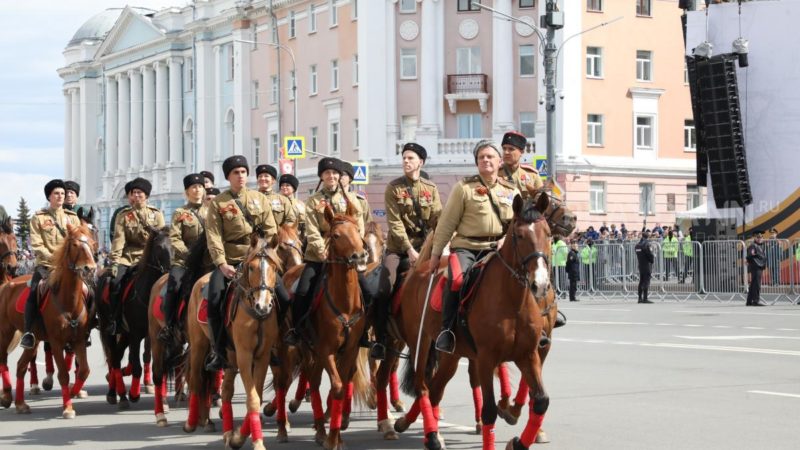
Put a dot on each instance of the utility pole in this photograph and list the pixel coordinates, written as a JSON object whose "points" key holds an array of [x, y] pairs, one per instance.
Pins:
{"points": [[552, 20]]}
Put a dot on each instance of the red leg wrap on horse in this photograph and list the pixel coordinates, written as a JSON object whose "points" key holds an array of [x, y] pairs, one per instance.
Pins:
{"points": [[347, 406], [159, 401], [301, 387], [522, 393], [477, 400], [244, 430], [280, 402], [34, 373], [6, 377], [413, 413], [119, 383], [488, 436], [68, 360], [328, 401], [437, 412], [65, 397], [19, 395], [127, 370], [316, 405], [76, 388], [528, 436], [429, 423], [194, 410], [394, 387], [148, 375], [218, 380], [336, 414], [255, 425], [48, 362], [164, 386], [383, 405], [136, 387], [227, 417], [505, 382]]}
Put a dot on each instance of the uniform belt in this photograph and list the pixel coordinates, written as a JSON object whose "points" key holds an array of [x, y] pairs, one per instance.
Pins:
{"points": [[485, 238]]}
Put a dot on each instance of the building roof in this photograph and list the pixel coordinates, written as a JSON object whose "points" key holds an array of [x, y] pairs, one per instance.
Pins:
{"points": [[96, 28]]}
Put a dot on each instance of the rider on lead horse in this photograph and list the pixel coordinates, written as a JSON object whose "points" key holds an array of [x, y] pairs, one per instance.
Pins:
{"points": [[48, 230]]}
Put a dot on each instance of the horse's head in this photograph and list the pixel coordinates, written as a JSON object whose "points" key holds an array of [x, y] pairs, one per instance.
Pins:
{"points": [[77, 254], [345, 245], [158, 250], [561, 219], [259, 276], [530, 240], [373, 237], [288, 246], [8, 248]]}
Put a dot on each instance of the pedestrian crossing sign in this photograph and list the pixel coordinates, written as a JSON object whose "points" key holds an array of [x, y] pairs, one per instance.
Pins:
{"points": [[540, 162], [295, 147], [360, 173]]}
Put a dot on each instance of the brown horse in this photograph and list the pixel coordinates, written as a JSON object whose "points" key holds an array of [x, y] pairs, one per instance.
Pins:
{"points": [[64, 315], [8, 251], [560, 219], [500, 331], [290, 247]]}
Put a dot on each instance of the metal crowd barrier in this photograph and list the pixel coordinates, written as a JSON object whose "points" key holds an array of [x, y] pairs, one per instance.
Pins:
{"points": [[776, 279]]}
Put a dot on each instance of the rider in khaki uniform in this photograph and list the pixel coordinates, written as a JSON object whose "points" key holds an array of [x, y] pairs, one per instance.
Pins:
{"points": [[131, 232], [478, 211], [520, 175], [348, 172], [281, 207], [329, 171], [48, 231], [287, 185], [188, 224], [232, 218]]}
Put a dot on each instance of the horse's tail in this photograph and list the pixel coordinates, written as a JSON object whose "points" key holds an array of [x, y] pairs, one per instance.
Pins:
{"points": [[407, 384], [362, 388], [14, 341]]}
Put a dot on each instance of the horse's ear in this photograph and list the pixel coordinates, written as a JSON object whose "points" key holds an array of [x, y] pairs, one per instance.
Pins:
{"points": [[351, 210], [517, 205], [70, 228], [329, 215], [254, 238], [274, 241], [543, 202]]}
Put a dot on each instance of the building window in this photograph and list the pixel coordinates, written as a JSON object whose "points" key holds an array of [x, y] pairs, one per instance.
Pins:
{"points": [[408, 128], [408, 63], [527, 60], [689, 136], [334, 75], [355, 133], [527, 3], [644, 65], [313, 80], [274, 93], [334, 10], [231, 62], [313, 143], [408, 6], [527, 124], [254, 94], [594, 62], [594, 129], [312, 19], [468, 60], [292, 25], [256, 149], [647, 199], [333, 139], [685, 73], [594, 5], [469, 126], [692, 196], [189, 75], [355, 69], [292, 82], [597, 197], [644, 132], [274, 146], [643, 8], [466, 5]]}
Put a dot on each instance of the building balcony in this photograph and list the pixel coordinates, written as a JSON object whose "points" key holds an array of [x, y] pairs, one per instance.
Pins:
{"points": [[459, 150], [472, 86]]}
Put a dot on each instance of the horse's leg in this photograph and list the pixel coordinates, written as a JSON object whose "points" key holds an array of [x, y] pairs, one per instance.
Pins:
{"points": [[82, 365], [226, 410], [372, 400], [49, 369], [282, 377], [347, 405], [5, 397], [447, 367], [119, 382], [337, 394], [485, 372], [63, 380], [252, 421], [148, 375], [216, 397], [477, 395], [382, 380], [315, 377], [136, 369], [505, 386], [34, 381], [22, 367], [531, 370], [300, 393], [260, 365], [394, 388], [160, 381]]}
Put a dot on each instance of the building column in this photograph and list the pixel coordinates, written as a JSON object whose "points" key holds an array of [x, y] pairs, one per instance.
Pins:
{"points": [[503, 72], [67, 134], [149, 117], [175, 111], [429, 127], [162, 114], [136, 119], [204, 113], [75, 153], [241, 89], [219, 129], [392, 123], [111, 126], [123, 123]]}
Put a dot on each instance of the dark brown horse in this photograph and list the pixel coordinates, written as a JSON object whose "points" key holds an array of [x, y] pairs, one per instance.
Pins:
{"points": [[8, 251], [501, 331], [65, 316]]}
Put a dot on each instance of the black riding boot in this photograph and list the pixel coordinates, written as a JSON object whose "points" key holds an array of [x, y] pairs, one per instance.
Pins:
{"points": [[171, 305], [446, 341], [302, 301], [283, 299], [115, 301], [31, 314], [216, 304], [381, 321]]}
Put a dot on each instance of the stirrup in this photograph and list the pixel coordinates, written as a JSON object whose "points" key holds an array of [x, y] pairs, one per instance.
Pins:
{"points": [[544, 340], [377, 351], [165, 335], [215, 362], [24, 342], [561, 320], [291, 338], [446, 341]]}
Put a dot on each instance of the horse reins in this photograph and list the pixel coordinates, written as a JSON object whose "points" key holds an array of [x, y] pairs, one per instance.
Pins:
{"points": [[346, 324], [73, 323]]}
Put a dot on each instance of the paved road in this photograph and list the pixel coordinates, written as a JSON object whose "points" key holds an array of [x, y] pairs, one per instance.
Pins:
{"points": [[620, 376]]}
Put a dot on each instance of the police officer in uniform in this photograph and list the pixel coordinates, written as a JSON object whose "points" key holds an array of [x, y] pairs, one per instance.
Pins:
{"points": [[287, 185], [644, 254], [131, 232], [188, 224], [73, 190], [573, 270], [48, 230], [348, 173], [231, 219], [756, 263], [520, 175], [282, 209], [478, 211], [331, 195]]}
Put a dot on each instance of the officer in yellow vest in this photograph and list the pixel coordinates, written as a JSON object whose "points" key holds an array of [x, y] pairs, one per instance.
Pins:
{"points": [[282, 209], [478, 211], [348, 172], [589, 259], [331, 195], [287, 185], [188, 224], [520, 175], [48, 229], [670, 250], [560, 251], [131, 232], [687, 248]]}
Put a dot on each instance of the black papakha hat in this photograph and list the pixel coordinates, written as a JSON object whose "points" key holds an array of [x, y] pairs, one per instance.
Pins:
{"points": [[289, 179], [73, 186], [141, 184], [51, 185], [348, 169], [208, 175], [416, 148], [515, 139], [266, 168], [328, 164], [234, 162], [212, 191], [192, 179]]}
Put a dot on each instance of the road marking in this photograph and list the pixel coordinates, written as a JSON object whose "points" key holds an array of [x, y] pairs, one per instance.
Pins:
{"points": [[693, 325], [665, 325], [787, 329], [592, 322], [455, 426], [778, 394], [766, 351], [593, 309], [736, 338], [722, 326], [749, 313], [753, 328]]}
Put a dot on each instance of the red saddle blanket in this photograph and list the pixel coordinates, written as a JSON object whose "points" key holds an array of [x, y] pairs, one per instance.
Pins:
{"points": [[125, 294], [202, 311], [23, 297], [437, 296], [158, 311]]}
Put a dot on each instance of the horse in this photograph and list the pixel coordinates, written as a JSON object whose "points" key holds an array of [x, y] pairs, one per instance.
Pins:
{"points": [[65, 317], [560, 219], [497, 331], [289, 246], [8, 251], [155, 261]]}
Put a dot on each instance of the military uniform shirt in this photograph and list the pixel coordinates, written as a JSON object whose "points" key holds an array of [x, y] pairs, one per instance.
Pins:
{"points": [[185, 230], [45, 236], [282, 210], [366, 213], [520, 178], [316, 226], [227, 229], [401, 215], [469, 214], [131, 235], [299, 209]]}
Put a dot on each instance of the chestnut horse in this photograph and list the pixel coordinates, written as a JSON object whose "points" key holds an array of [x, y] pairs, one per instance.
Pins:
{"points": [[501, 331], [8, 251], [65, 317]]}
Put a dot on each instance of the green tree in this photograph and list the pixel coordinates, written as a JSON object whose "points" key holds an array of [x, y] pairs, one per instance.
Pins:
{"points": [[23, 221]]}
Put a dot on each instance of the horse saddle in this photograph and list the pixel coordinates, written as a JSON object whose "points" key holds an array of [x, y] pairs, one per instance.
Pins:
{"points": [[158, 305], [470, 280], [202, 312]]}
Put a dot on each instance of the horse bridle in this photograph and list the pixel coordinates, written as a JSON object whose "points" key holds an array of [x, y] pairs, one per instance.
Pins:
{"points": [[73, 323], [343, 259], [249, 291]]}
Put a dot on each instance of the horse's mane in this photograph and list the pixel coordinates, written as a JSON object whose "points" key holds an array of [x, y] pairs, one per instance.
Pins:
{"points": [[345, 218], [60, 269], [6, 226], [195, 267], [375, 229], [287, 232], [271, 253], [149, 246]]}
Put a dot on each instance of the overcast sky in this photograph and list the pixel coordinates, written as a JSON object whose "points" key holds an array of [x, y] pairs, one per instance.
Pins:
{"points": [[32, 36]]}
